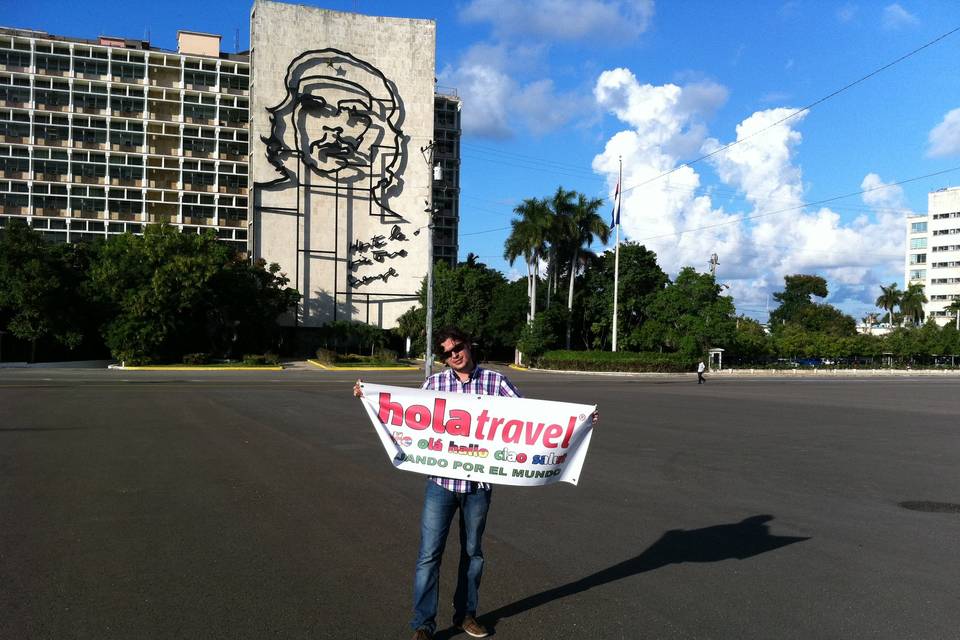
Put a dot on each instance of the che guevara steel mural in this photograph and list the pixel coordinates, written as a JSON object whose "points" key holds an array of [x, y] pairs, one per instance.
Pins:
{"points": [[338, 130]]}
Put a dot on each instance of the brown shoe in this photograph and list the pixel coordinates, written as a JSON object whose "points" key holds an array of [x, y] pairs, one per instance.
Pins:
{"points": [[473, 628], [422, 634]]}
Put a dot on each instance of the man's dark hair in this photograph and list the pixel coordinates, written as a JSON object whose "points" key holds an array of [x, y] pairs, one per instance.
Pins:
{"points": [[452, 333]]}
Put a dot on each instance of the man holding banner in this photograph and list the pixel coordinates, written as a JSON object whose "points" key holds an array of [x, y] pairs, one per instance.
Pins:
{"points": [[470, 425]]}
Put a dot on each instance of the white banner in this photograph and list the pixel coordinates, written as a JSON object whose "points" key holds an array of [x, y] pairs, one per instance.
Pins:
{"points": [[482, 438]]}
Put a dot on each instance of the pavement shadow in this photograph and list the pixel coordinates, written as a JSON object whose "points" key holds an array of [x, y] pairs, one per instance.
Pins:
{"points": [[745, 539]]}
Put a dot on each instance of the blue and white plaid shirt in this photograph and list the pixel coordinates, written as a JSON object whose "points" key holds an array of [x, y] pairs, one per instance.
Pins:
{"points": [[481, 382]]}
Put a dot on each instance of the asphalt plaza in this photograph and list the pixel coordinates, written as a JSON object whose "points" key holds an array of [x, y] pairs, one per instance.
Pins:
{"points": [[260, 504]]}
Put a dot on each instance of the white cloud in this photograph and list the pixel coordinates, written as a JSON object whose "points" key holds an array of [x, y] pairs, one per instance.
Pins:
{"points": [[486, 90], [494, 104], [944, 138], [881, 195], [847, 12], [774, 235], [609, 20], [896, 17], [774, 96]]}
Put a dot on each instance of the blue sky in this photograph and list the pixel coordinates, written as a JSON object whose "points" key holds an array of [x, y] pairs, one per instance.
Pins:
{"points": [[555, 90]]}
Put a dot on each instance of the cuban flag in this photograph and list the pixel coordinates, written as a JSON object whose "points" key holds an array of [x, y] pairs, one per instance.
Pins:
{"points": [[615, 216]]}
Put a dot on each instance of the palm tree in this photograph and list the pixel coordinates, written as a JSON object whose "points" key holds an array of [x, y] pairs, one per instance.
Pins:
{"points": [[586, 225], [889, 298], [911, 304], [558, 235], [870, 320], [955, 308], [528, 239], [473, 261]]}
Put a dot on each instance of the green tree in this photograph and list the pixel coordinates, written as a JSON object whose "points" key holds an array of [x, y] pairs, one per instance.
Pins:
{"points": [[954, 308], [911, 304], [40, 287], [796, 306], [825, 318], [528, 238], [245, 301], [543, 333], [751, 342], [889, 299], [690, 315], [640, 278], [796, 296], [477, 299], [171, 293]]}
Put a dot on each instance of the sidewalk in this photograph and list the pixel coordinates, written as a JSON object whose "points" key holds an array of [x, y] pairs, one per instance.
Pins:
{"points": [[78, 364]]}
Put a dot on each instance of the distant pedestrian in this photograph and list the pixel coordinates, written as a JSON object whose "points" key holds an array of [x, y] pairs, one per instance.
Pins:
{"points": [[700, 369]]}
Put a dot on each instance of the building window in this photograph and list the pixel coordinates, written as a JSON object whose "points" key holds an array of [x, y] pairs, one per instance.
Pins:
{"points": [[918, 258], [918, 243], [918, 274], [918, 227]]}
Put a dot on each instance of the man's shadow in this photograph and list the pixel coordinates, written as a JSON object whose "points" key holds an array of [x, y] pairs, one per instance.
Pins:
{"points": [[744, 539]]}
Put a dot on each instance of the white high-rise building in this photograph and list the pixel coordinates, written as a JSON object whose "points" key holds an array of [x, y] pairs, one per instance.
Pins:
{"points": [[933, 253]]}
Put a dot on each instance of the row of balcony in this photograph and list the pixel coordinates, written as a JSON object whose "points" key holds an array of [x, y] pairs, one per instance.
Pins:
{"points": [[233, 154], [209, 119], [206, 82], [228, 218]]}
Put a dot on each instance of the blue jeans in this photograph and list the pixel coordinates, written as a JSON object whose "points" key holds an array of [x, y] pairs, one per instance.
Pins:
{"points": [[439, 505]]}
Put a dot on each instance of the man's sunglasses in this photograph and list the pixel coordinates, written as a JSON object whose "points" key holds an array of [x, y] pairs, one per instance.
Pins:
{"points": [[457, 348]]}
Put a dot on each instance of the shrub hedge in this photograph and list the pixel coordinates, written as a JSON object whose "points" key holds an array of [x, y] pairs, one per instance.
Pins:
{"points": [[258, 360], [619, 361]]}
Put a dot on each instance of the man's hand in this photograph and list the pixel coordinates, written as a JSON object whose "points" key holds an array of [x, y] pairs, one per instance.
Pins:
{"points": [[596, 417], [357, 389]]}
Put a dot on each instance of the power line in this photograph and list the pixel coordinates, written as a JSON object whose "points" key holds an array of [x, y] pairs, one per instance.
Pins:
{"points": [[719, 194], [538, 166], [804, 205], [796, 112], [765, 214], [524, 157], [476, 233]]}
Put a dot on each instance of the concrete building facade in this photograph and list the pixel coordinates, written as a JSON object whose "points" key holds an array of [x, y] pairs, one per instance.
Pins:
{"points": [[335, 125], [342, 120], [933, 253], [100, 137]]}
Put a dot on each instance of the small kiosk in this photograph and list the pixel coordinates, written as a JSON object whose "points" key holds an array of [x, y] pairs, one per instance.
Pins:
{"points": [[715, 359]]}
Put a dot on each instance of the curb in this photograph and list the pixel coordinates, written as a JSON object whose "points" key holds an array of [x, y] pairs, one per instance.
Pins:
{"points": [[326, 367], [160, 368]]}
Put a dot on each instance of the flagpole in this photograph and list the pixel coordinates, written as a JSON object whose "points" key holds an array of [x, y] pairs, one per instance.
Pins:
{"points": [[616, 259]]}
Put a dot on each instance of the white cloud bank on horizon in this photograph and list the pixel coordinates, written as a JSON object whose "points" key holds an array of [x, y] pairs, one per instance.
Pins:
{"points": [[782, 238], [944, 139]]}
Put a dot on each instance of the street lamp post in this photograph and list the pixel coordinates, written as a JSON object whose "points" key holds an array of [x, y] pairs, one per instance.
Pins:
{"points": [[428, 358], [436, 174]]}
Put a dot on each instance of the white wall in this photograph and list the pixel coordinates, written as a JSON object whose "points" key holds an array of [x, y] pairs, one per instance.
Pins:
{"points": [[334, 196]]}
